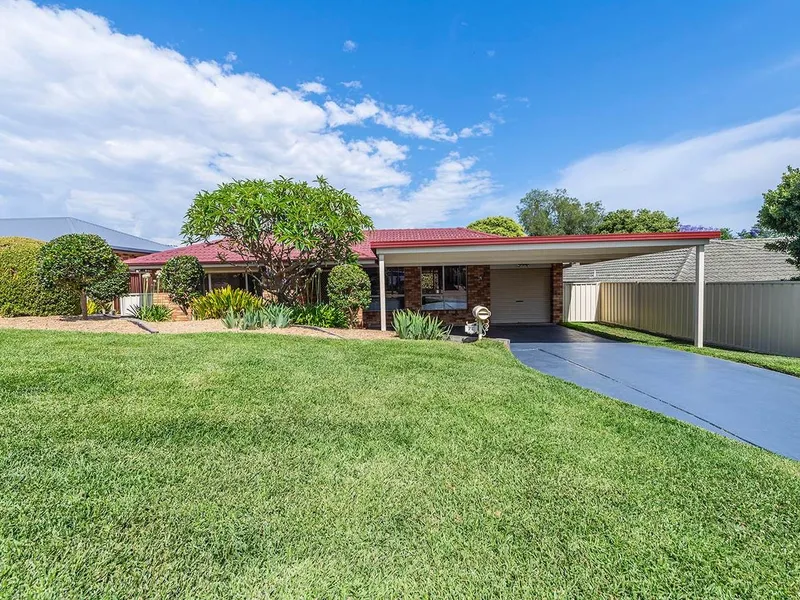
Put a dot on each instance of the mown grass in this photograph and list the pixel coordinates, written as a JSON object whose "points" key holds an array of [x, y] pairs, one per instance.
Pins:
{"points": [[783, 364], [239, 466]]}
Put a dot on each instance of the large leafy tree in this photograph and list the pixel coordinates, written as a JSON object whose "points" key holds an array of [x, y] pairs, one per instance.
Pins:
{"points": [[544, 212], [75, 262], [781, 214], [505, 226], [283, 229], [642, 220]]}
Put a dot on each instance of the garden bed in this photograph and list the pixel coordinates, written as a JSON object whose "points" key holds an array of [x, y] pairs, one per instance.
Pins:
{"points": [[103, 324]]}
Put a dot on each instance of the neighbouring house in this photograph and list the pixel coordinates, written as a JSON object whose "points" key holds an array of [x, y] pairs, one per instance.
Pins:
{"points": [[447, 271], [725, 261], [126, 246]]}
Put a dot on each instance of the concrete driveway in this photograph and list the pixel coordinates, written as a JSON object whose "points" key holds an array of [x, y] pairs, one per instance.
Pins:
{"points": [[753, 405]]}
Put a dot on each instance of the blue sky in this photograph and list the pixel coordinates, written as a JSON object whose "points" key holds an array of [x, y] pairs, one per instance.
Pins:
{"points": [[119, 111]]}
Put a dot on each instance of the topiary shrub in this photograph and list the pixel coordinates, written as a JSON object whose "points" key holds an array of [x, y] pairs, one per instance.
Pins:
{"points": [[21, 295], [216, 303], [349, 291], [182, 279], [505, 226], [116, 284], [75, 262]]}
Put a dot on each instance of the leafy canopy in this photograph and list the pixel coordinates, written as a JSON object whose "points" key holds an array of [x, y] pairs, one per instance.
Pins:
{"points": [[505, 226], [781, 213], [542, 212], [182, 279], [349, 290], [283, 229], [642, 220], [75, 262]]}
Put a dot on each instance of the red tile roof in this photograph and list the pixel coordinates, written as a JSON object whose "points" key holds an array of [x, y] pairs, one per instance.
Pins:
{"points": [[208, 253]]}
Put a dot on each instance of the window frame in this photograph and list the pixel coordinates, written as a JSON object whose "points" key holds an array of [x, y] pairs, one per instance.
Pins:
{"points": [[441, 296]]}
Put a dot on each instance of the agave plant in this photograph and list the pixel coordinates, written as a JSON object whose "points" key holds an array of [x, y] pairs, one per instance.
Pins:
{"points": [[151, 312], [411, 325], [230, 319], [216, 303], [277, 315]]}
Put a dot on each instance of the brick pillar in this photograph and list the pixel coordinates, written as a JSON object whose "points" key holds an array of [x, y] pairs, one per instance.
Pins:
{"points": [[478, 286], [412, 283], [557, 291]]}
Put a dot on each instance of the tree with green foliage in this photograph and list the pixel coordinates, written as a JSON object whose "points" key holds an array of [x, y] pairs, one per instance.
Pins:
{"points": [[21, 294], [726, 233], [116, 284], [283, 229], [642, 220], [756, 231], [505, 226], [781, 214], [542, 212], [74, 262], [349, 290], [182, 278]]}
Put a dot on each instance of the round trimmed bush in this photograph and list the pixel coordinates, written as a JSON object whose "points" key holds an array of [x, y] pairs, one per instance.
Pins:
{"points": [[349, 291], [116, 284], [182, 278], [505, 226], [21, 295]]}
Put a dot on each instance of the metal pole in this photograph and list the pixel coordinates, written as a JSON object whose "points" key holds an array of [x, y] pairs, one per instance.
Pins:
{"points": [[382, 284], [700, 293]]}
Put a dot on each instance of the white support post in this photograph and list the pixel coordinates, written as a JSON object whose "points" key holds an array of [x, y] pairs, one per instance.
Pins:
{"points": [[209, 282], [247, 282], [700, 293], [382, 285]]}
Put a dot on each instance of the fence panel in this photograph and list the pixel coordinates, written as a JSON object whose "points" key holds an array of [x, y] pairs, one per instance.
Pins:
{"points": [[763, 316], [581, 301]]}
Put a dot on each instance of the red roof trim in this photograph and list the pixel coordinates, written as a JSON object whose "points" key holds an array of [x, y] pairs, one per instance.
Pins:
{"points": [[553, 239]]}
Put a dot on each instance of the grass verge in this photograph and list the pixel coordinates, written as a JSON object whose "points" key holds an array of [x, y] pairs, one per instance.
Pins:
{"points": [[221, 466], [783, 364]]}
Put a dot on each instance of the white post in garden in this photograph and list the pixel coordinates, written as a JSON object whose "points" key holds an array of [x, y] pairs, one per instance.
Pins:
{"points": [[700, 293], [382, 285]]}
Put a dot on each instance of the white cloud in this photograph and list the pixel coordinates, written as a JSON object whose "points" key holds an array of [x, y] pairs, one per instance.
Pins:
{"points": [[313, 87], [355, 84], [115, 129], [499, 97], [481, 129], [455, 186], [714, 179], [491, 53], [398, 119], [231, 57], [349, 46]]}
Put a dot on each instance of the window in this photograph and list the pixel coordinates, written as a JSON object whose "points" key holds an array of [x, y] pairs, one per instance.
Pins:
{"points": [[395, 289], [444, 288]]}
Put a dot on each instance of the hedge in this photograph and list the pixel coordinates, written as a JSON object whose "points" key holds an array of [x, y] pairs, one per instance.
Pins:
{"points": [[20, 292]]}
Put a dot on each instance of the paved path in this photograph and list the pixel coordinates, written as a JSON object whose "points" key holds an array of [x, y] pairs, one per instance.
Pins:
{"points": [[754, 405]]}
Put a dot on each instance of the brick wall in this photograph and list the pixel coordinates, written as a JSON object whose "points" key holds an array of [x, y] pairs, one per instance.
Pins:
{"points": [[557, 290], [478, 292], [177, 313]]}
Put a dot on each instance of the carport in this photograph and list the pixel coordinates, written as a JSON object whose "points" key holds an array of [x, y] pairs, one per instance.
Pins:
{"points": [[520, 279]]}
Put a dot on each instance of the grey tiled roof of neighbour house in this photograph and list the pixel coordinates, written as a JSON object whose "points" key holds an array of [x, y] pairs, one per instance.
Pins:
{"points": [[47, 228], [726, 260]]}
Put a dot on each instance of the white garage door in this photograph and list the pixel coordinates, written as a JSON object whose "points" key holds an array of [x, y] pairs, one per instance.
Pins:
{"points": [[521, 295]]}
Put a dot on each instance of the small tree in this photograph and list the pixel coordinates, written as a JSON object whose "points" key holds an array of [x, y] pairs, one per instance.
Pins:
{"points": [[505, 226], [642, 220], [76, 261], [182, 278], [349, 290], [116, 284], [283, 230], [781, 214]]}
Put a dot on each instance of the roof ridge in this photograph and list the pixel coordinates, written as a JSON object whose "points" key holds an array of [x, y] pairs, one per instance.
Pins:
{"points": [[685, 264]]}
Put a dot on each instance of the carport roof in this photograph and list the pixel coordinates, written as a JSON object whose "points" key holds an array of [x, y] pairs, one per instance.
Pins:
{"points": [[535, 250]]}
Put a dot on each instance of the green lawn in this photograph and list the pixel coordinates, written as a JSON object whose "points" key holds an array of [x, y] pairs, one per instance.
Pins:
{"points": [[238, 466], [783, 364]]}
